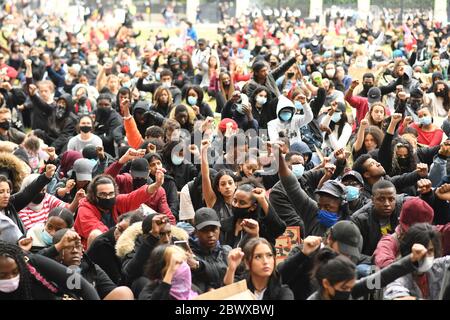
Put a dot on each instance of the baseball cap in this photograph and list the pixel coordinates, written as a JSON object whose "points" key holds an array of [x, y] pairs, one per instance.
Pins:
{"points": [[201, 41], [174, 61], [206, 217], [9, 231], [374, 95], [139, 168], [355, 175], [348, 237], [332, 188], [415, 210], [83, 169], [223, 124], [89, 151]]}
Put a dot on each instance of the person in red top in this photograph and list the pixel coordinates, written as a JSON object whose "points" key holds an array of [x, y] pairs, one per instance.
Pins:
{"points": [[99, 211], [429, 134], [6, 72], [128, 182]]}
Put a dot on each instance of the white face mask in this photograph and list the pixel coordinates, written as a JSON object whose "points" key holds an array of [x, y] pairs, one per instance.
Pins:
{"points": [[10, 285], [330, 72], [425, 264]]}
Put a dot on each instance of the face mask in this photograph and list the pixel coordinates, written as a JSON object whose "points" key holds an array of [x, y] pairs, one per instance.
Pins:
{"points": [[425, 121], [103, 112], [93, 62], [5, 125], [192, 100], [239, 108], [290, 74], [38, 198], [226, 84], [352, 193], [60, 113], [285, 116], [336, 117], [298, 105], [157, 76], [326, 218], [261, 100], [181, 283], [10, 285], [378, 54], [435, 62], [241, 213], [439, 94], [330, 73], [367, 87], [298, 170], [127, 84], [184, 62], [177, 160], [106, 204], [341, 295], [425, 264], [85, 129], [46, 238], [403, 162], [138, 182], [166, 84]]}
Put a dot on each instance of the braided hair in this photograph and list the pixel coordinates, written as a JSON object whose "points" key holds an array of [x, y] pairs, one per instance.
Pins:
{"points": [[26, 270]]}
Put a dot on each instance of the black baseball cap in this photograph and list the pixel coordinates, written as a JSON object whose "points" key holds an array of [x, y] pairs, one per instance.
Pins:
{"points": [[206, 217], [139, 168], [348, 237], [173, 61], [355, 175], [332, 188], [374, 95]]}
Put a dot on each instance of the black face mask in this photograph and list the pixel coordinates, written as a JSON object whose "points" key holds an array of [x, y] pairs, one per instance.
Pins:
{"points": [[226, 84], [439, 94], [85, 129], [106, 204], [367, 87], [60, 113], [341, 295], [38, 198], [103, 112], [82, 100], [138, 182], [290, 74], [5, 125], [241, 213], [403, 162]]}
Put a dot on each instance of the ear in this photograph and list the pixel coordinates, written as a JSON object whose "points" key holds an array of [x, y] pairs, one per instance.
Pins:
{"points": [[366, 175], [326, 285]]}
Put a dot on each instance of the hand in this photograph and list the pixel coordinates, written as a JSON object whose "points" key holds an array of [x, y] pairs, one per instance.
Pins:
{"points": [[311, 244], [247, 110], [340, 155], [422, 170], [129, 155], [235, 96], [28, 63], [354, 84], [329, 170], [418, 252], [125, 107], [70, 184], [259, 194], [158, 223], [100, 153], [325, 128], [402, 95], [424, 186], [207, 124], [46, 59], [251, 227], [32, 89], [6, 85], [445, 149], [51, 152], [364, 124], [234, 258], [407, 120], [334, 106], [151, 148], [443, 192], [50, 170], [69, 239], [80, 194], [175, 262], [396, 118], [193, 149], [26, 243], [144, 74], [204, 146], [159, 176], [196, 110]]}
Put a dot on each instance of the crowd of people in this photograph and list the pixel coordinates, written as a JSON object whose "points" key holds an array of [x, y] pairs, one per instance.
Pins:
{"points": [[167, 167]]}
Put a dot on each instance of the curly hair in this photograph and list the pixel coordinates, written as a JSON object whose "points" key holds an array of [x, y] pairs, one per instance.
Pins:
{"points": [[16, 167], [98, 180]]}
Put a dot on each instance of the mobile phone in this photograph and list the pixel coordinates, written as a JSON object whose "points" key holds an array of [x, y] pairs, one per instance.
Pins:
{"points": [[183, 244]]}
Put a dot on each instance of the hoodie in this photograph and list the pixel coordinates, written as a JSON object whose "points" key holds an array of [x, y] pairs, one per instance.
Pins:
{"points": [[141, 105], [292, 127]]}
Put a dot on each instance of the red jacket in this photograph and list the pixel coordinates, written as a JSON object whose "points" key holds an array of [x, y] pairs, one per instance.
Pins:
{"points": [[10, 71], [430, 139], [125, 183], [89, 217], [388, 247], [361, 104]]}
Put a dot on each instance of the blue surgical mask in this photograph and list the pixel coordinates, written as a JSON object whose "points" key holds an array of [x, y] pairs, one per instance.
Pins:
{"points": [[47, 238], [298, 170], [298, 105], [192, 100], [285, 115], [327, 218], [239, 108], [336, 117], [177, 160], [261, 100], [157, 76], [352, 193], [425, 120]]}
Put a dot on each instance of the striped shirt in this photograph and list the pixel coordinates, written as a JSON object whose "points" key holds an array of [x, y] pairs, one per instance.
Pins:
{"points": [[30, 217]]}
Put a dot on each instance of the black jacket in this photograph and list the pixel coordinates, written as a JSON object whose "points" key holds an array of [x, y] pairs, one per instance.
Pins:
{"points": [[96, 277], [274, 291], [369, 225], [400, 182], [103, 253], [213, 265], [56, 274], [21, 199], [104, 128], [170, 187], [282, 205]]}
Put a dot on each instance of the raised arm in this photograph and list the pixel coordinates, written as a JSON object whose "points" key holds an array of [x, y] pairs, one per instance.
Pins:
{"points": [[360, 135], [208, 193]]}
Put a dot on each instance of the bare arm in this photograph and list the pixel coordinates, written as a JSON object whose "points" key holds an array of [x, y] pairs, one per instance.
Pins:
{"points": [[208, 193]]}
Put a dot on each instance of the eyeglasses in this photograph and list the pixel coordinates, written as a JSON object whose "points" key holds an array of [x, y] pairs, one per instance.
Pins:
{"points": [[105, 195]]}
